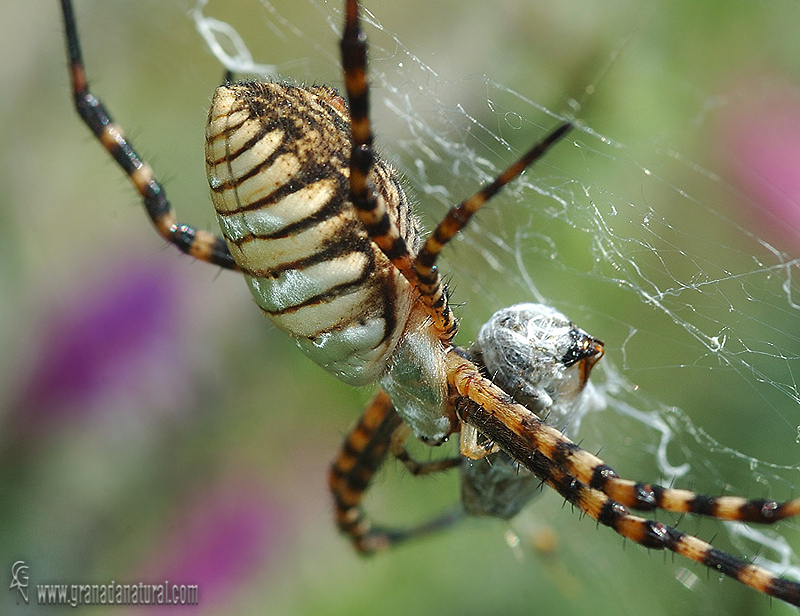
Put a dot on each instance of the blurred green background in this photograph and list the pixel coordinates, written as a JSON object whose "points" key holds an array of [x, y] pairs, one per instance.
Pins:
{"points": [[153, 424]]}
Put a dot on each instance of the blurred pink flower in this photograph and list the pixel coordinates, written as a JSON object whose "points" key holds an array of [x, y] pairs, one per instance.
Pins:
{"points": [[759, 135], [113, 341], [218, 542]]}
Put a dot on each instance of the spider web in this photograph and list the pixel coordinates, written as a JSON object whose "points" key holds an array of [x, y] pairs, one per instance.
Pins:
{"points": [[640, 226]]}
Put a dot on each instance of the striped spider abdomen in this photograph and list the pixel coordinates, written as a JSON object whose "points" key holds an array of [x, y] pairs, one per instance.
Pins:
{"points": [[277, 158]]}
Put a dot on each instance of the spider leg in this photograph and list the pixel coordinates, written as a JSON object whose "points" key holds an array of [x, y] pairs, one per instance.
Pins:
{"points": [[419, 271], [592, 471], [397, 447], [471, 445], [648, 533], [198, 243], [371, 210], [429, 282], [361, 455]]}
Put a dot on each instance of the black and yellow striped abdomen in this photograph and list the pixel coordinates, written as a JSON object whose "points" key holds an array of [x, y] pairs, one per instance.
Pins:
{"points": [[277, 158]]}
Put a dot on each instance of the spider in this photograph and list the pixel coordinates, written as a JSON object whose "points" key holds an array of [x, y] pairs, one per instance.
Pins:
{"points": [[328, 244]]}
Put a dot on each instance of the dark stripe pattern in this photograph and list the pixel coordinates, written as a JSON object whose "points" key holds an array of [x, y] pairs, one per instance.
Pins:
{"points": [[278, 163]]}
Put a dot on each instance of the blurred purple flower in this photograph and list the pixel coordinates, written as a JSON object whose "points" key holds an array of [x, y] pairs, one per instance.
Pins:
{"points": [[759, 135], [219, 542], [110, 342]]}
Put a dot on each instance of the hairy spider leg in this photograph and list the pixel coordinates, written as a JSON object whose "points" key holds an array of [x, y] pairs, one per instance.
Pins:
{"points": [[420, 270], [371, 210], [379, 430], [429, 283], [592, 471], [202, 245], [547, 453]]}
